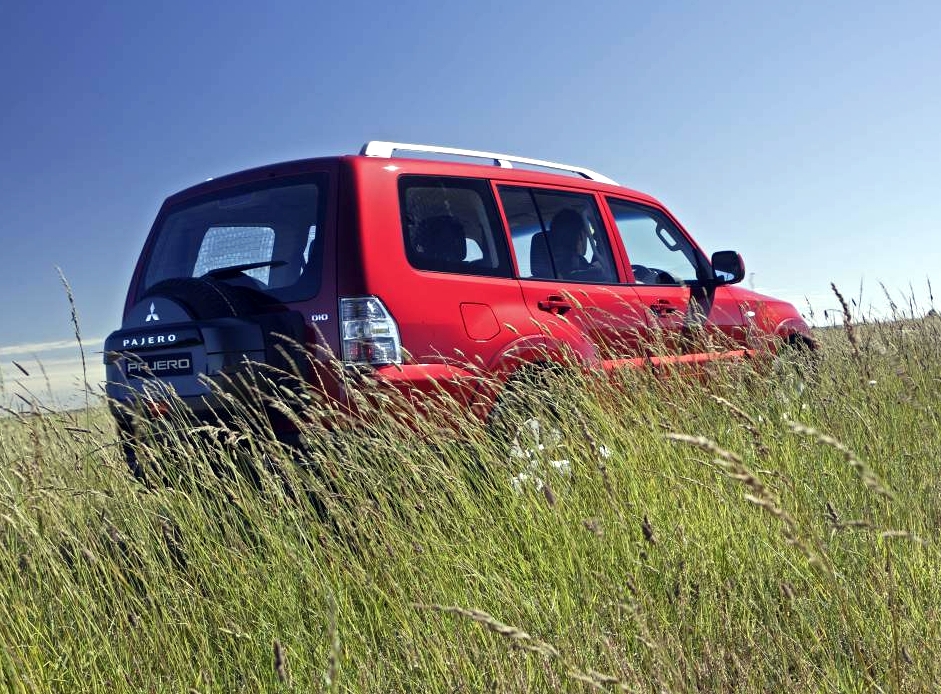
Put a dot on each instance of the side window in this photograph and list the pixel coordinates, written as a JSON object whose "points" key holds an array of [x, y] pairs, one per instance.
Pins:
{"points": [[658, 252], [558, 235], [452, 225]]}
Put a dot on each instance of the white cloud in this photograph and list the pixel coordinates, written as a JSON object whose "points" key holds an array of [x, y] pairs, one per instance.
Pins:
{"points": [[30, 348]]}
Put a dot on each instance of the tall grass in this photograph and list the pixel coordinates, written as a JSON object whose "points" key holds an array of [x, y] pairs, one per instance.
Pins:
{"points": [[756, 529]]}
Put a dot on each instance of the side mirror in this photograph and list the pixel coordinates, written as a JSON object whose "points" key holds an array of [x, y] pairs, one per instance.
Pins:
{"points": [[728, 266]]}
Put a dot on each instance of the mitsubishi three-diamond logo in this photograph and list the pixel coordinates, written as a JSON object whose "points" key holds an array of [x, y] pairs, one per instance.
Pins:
{"points": [[152, 315]]}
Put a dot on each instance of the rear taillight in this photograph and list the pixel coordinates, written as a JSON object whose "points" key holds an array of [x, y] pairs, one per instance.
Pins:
{"points": [[368, 332]]}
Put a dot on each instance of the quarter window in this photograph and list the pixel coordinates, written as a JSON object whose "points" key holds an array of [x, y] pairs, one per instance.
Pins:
{"points": [[659, 253], [558, 235], [451, 225]]}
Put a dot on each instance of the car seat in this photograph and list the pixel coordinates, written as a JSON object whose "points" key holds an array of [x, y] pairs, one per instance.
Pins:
{"points": [[440, 242], [540, 263]]}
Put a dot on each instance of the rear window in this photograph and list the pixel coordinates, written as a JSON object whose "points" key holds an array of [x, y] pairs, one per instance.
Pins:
{"points": [[452, 225], [262, 236]]}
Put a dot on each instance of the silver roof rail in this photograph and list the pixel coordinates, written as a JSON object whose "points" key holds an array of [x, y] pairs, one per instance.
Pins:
{"points": [[377, 148]]}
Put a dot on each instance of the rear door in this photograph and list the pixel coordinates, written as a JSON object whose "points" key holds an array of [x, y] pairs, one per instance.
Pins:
{"points": [[244, 259], [452, 291], [570, 277], [689, 317]]}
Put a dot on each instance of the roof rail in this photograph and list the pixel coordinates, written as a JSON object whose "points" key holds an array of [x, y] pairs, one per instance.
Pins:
{"points": [[377, 148]]}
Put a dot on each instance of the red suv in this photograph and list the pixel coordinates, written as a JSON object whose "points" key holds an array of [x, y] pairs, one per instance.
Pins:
{"points": [[426, 271]]}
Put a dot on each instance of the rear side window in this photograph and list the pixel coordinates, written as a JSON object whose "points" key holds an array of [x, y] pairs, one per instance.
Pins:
{"points": [[451, 225], [558, 235], [261, 236]]}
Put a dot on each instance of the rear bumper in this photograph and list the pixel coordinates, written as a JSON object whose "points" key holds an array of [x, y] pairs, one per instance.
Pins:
{"points": [[335, 400], [424, 384]]}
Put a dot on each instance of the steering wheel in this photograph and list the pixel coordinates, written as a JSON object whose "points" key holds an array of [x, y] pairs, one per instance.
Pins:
{"points": [[654, 275], [643, 274]]}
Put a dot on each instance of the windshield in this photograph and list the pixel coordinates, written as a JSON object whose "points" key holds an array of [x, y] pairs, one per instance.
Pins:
{"points": [[263, 236]]}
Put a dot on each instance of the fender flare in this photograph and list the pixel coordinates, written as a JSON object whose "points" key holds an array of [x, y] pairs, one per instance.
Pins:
{"points": [[542, 349], [526, 353], [794, 330]]}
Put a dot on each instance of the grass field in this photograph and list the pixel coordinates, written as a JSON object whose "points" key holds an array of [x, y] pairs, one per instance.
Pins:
{"points": [[764, 529]]}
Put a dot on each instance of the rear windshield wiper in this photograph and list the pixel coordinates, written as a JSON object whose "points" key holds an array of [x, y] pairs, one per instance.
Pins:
{"points": [[227, 273]]}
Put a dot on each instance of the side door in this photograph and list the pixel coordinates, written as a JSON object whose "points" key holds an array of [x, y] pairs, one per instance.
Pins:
{"points": [[454, 288], [688, 314], [572, 281]]}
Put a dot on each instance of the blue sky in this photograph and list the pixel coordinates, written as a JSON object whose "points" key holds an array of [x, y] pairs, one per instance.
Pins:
{"points": [[806, 136]]}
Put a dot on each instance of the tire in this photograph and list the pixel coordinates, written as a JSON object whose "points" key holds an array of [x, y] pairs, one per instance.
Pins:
{"points": [[130, 458], [528, 427], [204, 299], [797, 360]]}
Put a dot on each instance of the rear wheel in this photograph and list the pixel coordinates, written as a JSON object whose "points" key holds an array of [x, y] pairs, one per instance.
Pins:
{"points": [[130, 456], [528, 425]]}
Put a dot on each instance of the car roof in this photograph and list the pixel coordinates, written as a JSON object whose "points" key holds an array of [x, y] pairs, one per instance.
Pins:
{"points": [[407, 165]]}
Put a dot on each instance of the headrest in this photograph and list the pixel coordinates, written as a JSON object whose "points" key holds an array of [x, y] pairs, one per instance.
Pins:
{"points": [[567, 230], [540, 264]]}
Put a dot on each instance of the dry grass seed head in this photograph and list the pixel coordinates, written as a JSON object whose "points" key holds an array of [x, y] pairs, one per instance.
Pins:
{"points": [[868, 477], [330, 676], [519, 637], [523, 640], [734, 468]]}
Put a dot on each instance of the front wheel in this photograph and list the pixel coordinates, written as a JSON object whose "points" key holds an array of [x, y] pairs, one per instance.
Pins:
{"points": [[797, 359]]}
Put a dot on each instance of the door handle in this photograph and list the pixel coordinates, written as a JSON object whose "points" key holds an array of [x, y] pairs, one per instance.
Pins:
{"points": [[554, 304], [663, 306]]}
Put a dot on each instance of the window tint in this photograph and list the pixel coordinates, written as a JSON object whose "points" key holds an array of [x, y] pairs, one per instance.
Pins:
{"points": [[558, 235], [451, 225], [274, 223], [658, 252]]}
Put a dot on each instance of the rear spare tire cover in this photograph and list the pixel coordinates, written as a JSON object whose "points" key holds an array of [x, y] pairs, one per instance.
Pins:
{"points": [[207, 298]]}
